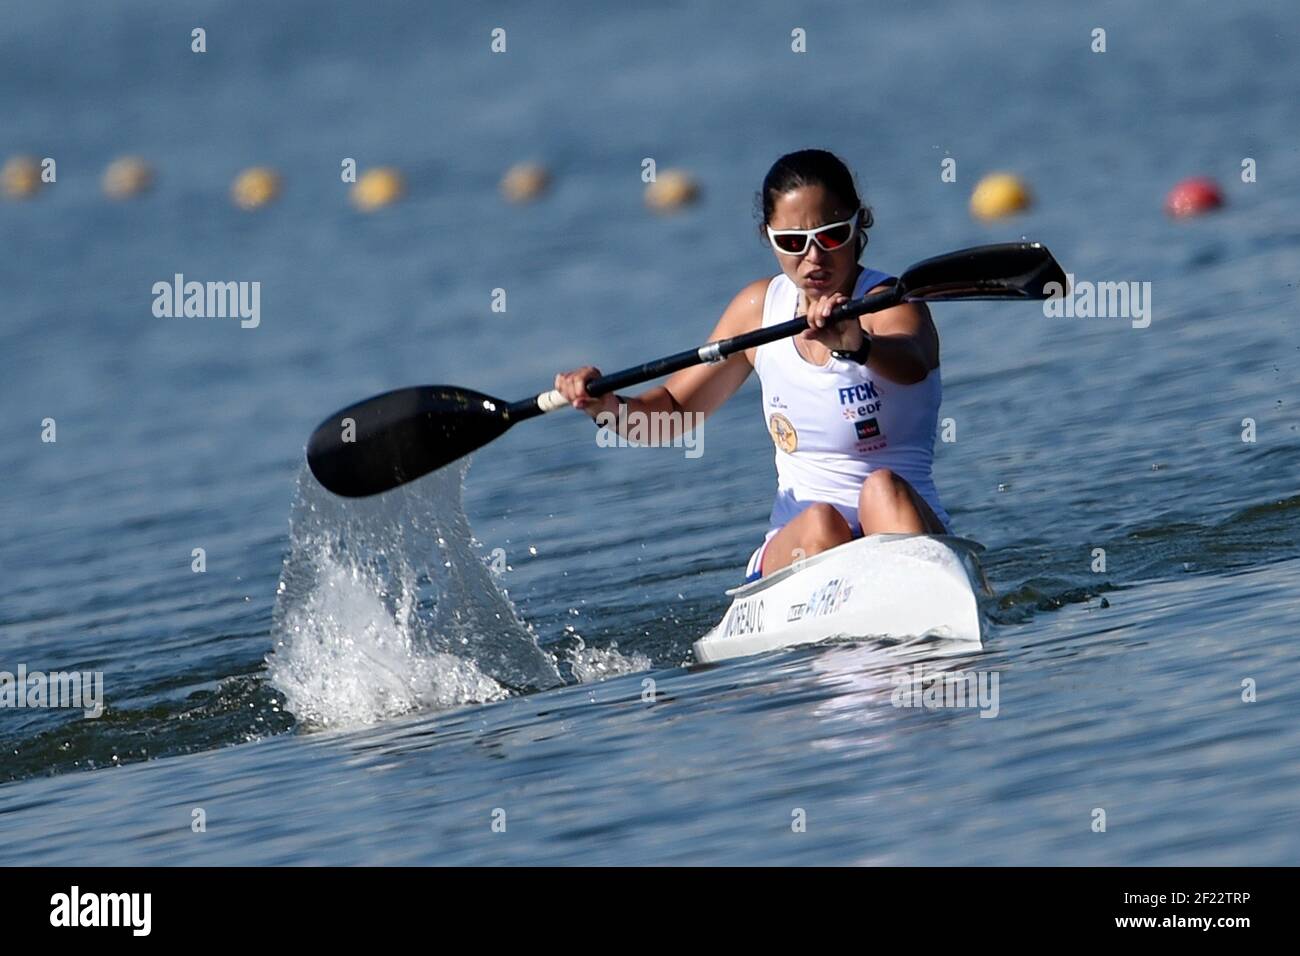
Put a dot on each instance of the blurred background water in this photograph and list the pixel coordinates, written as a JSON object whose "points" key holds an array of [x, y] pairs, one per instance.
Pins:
{"points": [[330, 737]]}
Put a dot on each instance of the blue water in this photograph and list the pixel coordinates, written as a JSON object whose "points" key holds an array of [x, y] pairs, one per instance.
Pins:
{"points": [[385, 719]]}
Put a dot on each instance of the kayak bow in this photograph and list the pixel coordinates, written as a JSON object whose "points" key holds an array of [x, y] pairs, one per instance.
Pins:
{"points": [[892, 586]]}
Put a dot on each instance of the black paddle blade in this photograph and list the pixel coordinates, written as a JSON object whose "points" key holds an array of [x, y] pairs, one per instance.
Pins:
{"points": [[1010, 270], [399, 436]]}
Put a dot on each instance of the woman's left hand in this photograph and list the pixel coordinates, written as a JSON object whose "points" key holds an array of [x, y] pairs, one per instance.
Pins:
{"points": [[845, 335]]}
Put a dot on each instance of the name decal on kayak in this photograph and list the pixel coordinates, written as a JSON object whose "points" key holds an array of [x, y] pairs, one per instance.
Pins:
{"points": [[745, 618], [827, 599]]}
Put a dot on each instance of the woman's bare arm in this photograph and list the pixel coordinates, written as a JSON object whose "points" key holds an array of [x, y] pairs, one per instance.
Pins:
{"points": [[904, 343], [701, 389]]}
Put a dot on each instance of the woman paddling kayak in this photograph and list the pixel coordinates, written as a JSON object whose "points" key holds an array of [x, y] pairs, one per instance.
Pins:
{"points": [[852, 407]]}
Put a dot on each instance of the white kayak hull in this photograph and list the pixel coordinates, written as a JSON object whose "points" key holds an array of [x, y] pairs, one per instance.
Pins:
{"points": [[893, 586]]}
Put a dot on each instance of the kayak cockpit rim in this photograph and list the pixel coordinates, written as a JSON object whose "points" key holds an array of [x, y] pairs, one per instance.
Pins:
{"points": [[957, 543]]}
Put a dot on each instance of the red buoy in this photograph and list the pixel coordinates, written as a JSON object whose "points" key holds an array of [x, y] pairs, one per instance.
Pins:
{"points": [[1193, 196]]}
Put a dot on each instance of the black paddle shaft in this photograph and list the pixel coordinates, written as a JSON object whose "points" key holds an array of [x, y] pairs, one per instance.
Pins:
{"points": [[714, 351]]}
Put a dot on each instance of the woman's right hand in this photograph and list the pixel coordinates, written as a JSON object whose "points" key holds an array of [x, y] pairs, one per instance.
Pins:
{"points": [[573, 386]]}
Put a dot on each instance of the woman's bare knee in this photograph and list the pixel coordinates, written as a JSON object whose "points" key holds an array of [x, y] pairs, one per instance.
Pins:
{"points": [[881, 485], [817, 528], [888, 504], [824, 528]]}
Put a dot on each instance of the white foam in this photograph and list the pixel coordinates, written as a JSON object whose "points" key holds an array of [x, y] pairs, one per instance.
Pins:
{"points": [[385, 607], [591, 664], [344, 658]]}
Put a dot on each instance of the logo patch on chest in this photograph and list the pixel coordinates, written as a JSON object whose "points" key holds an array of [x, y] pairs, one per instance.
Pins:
{"points": [[783, 434], [867, 428], [861, 401], [858, 394]]}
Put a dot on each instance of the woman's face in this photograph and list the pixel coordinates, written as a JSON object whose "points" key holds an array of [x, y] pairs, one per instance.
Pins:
{"points": [[816, 272]]}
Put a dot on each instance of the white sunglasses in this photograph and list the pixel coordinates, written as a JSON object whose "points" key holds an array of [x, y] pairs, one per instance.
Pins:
{"points": [[830, 237]]}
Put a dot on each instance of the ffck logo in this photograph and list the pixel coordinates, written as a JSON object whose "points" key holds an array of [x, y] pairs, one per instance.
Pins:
{"points": [[102, 909], [856, 394]]}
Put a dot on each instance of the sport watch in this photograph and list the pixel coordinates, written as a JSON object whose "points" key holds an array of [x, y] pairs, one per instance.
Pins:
{"points": [[859, 355]]}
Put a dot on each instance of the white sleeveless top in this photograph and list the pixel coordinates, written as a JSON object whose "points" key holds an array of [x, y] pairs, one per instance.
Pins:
{"points": [[834, 424]]}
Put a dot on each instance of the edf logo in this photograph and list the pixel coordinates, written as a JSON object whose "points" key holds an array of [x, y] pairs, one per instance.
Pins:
{"points": [[858, 393]]}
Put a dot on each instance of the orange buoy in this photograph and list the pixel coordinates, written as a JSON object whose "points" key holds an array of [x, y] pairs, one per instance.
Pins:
{"points": [[127, 177], [377, 188], [672, 189], [998, 195], [21, 177], [255, 188], [525, 182]]}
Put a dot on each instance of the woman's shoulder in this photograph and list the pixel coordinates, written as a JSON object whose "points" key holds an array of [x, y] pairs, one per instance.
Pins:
{"points": [[755, 294], [745, 313]]}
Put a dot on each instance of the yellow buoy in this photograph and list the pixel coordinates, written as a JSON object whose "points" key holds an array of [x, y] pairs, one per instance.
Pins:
{"points": [[254, 188], [126, 177], [21, 177], [525, 182], [998, 195], [671, 190], [377, 188]]}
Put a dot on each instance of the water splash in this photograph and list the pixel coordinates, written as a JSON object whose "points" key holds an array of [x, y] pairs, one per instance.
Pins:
{"points": [[589, 664], [384, 607]]}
